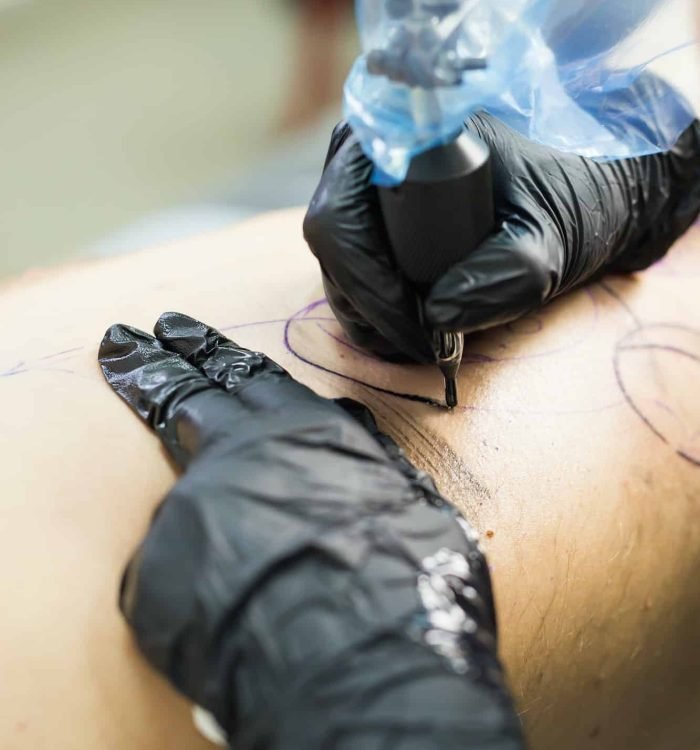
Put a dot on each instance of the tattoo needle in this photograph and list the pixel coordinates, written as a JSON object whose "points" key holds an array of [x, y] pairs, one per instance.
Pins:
{"points": [[449, 350]]}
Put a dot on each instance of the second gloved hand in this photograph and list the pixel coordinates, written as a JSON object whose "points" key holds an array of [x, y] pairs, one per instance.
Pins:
{"points": [[302, 582], [562, 220]]}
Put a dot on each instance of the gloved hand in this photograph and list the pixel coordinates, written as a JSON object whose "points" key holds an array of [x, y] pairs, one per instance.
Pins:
{"points": [[562, 220], [303, 581]]}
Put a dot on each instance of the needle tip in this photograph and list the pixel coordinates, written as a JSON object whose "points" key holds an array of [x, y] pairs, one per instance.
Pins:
{"points": [[451, 396]]}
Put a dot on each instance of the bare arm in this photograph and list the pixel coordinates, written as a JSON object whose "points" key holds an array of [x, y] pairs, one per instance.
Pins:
{"points": [[576, 454]]}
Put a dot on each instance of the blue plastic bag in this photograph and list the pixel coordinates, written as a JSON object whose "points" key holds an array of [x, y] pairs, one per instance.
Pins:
{"points": [[554, 70]]}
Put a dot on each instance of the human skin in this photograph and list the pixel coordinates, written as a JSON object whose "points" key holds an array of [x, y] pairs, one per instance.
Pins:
{"points": [[575, 452]]}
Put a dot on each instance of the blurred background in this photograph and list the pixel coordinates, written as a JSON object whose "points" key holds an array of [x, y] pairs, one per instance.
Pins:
{"points": [[124, 123]]}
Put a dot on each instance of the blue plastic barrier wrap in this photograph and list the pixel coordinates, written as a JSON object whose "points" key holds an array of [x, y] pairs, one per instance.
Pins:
{"points": [[552, 69]]}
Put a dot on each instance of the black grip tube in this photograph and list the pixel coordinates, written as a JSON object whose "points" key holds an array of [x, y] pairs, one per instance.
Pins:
{"points": [[443, 211]]}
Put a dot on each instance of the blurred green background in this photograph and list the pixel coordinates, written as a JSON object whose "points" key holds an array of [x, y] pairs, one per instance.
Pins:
{"points": [[112, 110]]}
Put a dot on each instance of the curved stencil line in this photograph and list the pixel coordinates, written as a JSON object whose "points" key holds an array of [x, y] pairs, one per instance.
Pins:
{"points": [[477, 357], [625, 347], [299, 318]]}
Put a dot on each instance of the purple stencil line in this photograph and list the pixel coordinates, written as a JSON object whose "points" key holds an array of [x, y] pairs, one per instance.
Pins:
{"points": [[660, 347], [256, 324], [622, 347], [299, 317], [22, 368], [665, 326], [19, 369], [476, 357], [691, 459], [63, 353]]}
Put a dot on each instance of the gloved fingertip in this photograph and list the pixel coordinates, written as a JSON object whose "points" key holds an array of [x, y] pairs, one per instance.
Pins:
{"points": [[223, 361], [341, 132], [121, 340], [190, 338], [175, 319], [182, 334]]}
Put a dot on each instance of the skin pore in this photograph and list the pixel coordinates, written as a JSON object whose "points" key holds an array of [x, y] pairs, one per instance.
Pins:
{"points": [[574, 452]]}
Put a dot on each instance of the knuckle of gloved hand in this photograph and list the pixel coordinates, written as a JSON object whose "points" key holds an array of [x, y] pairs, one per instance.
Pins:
{"points": [[315, 223], [530, 254], [510, 279], [322, 218], [369, 339], [360, 331], [339, 212], [537, 279], [325, 223], [341, 132], [355, 327]]}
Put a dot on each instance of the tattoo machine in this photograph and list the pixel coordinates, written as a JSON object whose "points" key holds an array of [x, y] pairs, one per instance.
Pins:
{"points": [[429, 64], [443, 209]]}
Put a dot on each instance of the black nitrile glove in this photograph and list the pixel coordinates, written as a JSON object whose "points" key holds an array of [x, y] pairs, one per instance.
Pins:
{"points": [[303, 581], [561, 220]]}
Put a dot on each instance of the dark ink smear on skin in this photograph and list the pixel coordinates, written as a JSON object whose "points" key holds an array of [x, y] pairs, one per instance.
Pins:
{"points": [[471, 490]]}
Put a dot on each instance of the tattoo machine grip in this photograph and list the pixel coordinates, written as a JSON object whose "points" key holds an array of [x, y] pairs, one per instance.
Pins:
{"points": [[439, 215]]}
